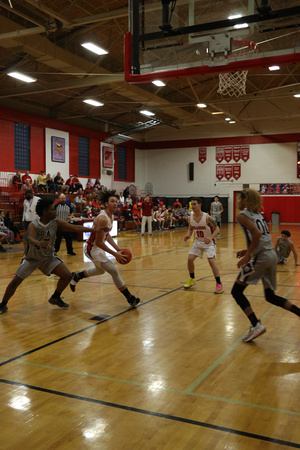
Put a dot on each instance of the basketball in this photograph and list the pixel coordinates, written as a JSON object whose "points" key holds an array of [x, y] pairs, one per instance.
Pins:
{"points": [[127, 253]]}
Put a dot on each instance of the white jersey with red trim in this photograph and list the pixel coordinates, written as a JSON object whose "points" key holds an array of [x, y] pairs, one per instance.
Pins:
{"points": [[91, 241], [201, 229]]}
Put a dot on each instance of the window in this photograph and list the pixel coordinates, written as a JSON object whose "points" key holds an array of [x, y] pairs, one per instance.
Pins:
{"points": [[22, 146], [122, 163], [83, 156]]}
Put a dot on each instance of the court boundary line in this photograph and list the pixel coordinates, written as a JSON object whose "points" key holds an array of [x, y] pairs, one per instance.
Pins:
{"points": [[156, 414]]}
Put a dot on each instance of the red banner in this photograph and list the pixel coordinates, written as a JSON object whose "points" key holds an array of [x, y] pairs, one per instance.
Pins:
{"points": [[236, 151], [228, 171], [202, 154], [219, 154], [228, 154], [245, 152], [219, 171], [236, 173]]}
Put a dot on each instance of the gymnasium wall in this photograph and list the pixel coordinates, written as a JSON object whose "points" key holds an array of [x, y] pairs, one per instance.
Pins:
{"points": [[271, 161]]}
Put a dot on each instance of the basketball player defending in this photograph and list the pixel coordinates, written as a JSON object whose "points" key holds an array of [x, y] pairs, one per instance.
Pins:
{"points": [[205, 230], [216, 209], [258, 262], [39, 253], [96, 247]]}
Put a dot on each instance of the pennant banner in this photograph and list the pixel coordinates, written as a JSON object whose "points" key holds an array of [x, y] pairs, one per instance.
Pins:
{"points": [[219, 171], [236, 172], [228, 154], [236, 153], [202, 154], [219, 154], [228, 171]]}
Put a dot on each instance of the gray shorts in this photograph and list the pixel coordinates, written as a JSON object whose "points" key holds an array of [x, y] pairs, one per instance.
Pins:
{"points": [[261, 267], [46, 266]]}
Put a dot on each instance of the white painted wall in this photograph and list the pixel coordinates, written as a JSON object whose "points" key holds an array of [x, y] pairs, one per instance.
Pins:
{"points": [[167, 170]]}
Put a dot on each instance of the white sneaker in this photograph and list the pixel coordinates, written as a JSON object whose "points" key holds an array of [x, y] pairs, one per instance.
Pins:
{"points": [[254, 332]]}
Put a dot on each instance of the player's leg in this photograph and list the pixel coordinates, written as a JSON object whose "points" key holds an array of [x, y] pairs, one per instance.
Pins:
{"points": [[215, 269], [191, 268], [9, 292], [91, 272], [65, 276], [112, 269]]}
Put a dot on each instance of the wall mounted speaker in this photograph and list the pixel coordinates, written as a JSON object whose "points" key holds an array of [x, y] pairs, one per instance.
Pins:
{"points": [[191, 171]]}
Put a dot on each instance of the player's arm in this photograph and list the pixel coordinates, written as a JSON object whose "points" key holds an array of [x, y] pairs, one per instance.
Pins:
{"points": [[276, 244], [66, 226], [189, 233], [292, 248], [255, 233], [211, 207], [32, 238], [212, 224], [222, 209]]}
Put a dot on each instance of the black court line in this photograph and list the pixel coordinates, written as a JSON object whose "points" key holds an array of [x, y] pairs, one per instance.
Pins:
{"points": [[156, 414]]}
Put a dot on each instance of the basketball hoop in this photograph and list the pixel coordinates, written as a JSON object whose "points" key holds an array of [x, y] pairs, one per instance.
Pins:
{"points": [[234, 83]]}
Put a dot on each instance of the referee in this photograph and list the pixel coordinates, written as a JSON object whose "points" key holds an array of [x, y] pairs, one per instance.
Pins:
{"points": [[64, 212]]}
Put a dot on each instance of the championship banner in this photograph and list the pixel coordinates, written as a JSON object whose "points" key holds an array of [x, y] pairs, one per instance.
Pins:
{"points": [[219, 171], [219, 154], [202, 154], [228, 171], [228, 154], [236, 152], [236, 171], [245, 152]]}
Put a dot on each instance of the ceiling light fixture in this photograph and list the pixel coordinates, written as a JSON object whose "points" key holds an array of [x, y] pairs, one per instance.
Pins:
{"points": [[217, 112], [20, 76], [238, 26], [158, 83], [235, 16], [93, 102], [94, 48], [232, 121], [274, 68], [297, 95], [227, 119], [147, 113], [201, 105]]}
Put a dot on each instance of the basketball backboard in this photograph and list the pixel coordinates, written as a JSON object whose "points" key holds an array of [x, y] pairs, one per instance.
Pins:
{"points": [[174, 39]]}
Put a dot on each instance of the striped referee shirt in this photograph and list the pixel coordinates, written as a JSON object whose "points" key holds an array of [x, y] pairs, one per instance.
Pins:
{"points": [[63, 211]]}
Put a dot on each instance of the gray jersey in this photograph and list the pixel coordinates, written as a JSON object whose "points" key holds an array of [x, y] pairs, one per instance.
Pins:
{"points": [[265, 242], [284, 248], [43, 232], [216, 208]]}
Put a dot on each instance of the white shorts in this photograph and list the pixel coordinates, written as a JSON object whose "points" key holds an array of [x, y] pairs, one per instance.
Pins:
{"points": [[96, 254], [27, 266], [261, 267], [198, 248]]}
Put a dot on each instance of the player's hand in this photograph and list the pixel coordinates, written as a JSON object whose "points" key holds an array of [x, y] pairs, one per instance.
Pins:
{"points": [[186, 237], [207, 240], [297, 264], [243, 261], [120, 257], [241, 253], [44, 245]]}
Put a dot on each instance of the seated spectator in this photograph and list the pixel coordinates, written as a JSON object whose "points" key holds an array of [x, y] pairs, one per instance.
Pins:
{"points": [[129, 201], [51, 186], [89, 181], [126, 212], [2, 241], [97, 184], [69, 183], [17, 180], [84, 213], [160, 219], [121, 199], [35, 187], [95, 203], [89, 206], [94, 212], [136, 211], [41, 182], [26, 177], [79, 201], [121, 219], [177, 204], [76, 184], [26, 186], [9, 223], [61, 183], [4, 229], [88, 190]]}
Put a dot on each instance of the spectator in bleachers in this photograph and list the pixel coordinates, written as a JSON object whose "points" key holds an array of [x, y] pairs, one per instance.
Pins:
{"points": [[69, 183], [89, 206], [17, 180], [35, 188], [2, 241], [90, 183], [79, 201], [129, 201], [51, 186], [4, 229], [26, 177], [121, 219], [9, 223], [29, 206], [84, 213], [76, 184], [41, 182], [121, 199], [27, 185], [61, 183], [97, 184], [177, 204]]}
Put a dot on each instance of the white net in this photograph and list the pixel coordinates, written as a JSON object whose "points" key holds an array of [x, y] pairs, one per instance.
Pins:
{"points": [[233, 83]]}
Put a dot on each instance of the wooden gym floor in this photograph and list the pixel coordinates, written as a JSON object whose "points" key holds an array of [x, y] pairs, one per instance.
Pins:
{"points": [[171, 374]]}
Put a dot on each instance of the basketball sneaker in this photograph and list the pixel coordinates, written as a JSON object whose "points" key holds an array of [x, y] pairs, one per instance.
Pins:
{"points": [[74, 281], [133, 301], [254, 332], [3, 309], [58, 302], [219, 289], [190, 283]]}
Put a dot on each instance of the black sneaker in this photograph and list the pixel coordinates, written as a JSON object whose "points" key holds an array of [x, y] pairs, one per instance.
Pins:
{"points": [[72, 253], [3, 309], [73, 282], [58, 302], [2, 249], [133, 301]]}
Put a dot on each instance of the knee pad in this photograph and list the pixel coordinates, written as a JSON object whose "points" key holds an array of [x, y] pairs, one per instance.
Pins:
{"points": [[239, 297], [271, 297]]}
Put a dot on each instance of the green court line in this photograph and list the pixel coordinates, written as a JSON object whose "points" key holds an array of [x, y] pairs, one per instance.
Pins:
{"points": [[177, 391], [224, 355]]}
